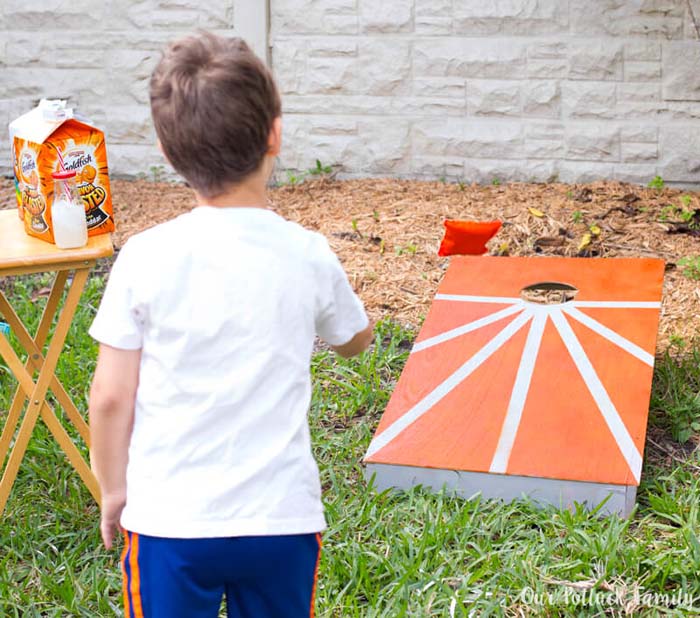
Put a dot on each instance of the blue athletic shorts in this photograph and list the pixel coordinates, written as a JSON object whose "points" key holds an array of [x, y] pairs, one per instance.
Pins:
{"points": [[260, 576]]}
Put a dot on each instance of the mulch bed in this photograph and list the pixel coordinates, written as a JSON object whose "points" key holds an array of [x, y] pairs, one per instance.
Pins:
{"points": [[387, 232]]}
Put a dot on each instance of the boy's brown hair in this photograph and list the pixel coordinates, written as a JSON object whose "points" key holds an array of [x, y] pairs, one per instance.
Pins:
{"points": [[213, 103]]}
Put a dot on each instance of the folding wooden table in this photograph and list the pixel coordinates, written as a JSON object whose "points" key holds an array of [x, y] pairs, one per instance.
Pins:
{"points": [[21, 254]]}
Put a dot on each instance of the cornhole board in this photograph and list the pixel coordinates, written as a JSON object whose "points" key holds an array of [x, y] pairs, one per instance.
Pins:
{"points": [[509, 397]]}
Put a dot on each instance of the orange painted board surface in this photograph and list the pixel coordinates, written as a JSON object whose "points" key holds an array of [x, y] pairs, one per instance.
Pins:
{"points": [[499, 384]]}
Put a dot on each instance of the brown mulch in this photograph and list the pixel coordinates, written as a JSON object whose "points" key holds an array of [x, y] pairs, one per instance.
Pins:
{"points": [[387, 232]]}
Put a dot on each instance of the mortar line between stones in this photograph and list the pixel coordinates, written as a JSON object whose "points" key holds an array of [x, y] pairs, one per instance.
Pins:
{"points": [[692, 17]]}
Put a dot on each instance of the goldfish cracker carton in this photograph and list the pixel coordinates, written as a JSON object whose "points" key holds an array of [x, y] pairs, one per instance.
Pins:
{"points": [[51, 138]]}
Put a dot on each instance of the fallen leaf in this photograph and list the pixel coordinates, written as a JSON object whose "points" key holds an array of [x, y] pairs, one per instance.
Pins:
{"points": [[629, 198], [585, 241], [535, 213], [595, 230], [550, 241], [584, 195]]}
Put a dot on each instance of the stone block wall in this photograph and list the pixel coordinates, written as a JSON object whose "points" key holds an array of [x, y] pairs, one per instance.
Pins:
{"points": [[100, 56], [510, 89], [462, 89]]}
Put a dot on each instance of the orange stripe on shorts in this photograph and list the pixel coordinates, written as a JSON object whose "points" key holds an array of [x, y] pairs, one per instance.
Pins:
{"points": [[125, 583], [135, 588], [318, 560]]}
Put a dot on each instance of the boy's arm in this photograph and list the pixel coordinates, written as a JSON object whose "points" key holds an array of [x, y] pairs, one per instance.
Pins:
{"points": [[340, 320], [112, 398], [359, 343]]}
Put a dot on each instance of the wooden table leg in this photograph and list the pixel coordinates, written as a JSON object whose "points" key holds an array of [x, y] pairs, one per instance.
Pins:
{"points": [[37, 392], [33, 348], [42, 332], [49, 417]]}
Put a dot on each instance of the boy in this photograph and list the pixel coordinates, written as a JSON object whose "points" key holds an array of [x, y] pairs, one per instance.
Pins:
{"points": [[198, 407]]}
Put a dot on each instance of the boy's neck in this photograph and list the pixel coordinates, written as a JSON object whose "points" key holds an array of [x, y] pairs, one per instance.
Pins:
{"points": [[251, 193]]}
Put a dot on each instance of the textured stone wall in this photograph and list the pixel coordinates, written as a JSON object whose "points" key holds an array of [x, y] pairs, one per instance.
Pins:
{"points": [[465, 89], [472, 89], [99, 55]]}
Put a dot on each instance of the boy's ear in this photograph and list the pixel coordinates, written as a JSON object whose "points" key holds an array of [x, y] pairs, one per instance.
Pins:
{"points": [[274, 140]]}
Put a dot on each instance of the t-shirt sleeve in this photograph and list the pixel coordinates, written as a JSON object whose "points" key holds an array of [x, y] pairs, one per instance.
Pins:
{"points": [[340, 314], [119, 320]]}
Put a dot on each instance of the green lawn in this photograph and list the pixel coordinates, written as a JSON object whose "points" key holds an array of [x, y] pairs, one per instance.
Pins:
{"points": [[402, 554]]}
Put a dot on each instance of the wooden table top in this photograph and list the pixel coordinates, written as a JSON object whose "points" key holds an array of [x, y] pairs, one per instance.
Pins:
{"points": [[19, 250]]}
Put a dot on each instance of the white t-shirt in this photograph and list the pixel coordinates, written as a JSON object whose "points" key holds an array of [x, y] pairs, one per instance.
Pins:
{"points": [[225, 304]]}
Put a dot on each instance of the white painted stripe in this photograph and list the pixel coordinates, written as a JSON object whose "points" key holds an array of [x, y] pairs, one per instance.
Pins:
{"points": [[466, 328], [600, 395], [616, 304], [511, 423], [420, 408], [478, 299], [611, 335]]}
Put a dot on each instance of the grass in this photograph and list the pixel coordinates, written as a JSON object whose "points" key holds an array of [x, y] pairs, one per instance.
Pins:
{"points": [[410, 554], [675, 400]]}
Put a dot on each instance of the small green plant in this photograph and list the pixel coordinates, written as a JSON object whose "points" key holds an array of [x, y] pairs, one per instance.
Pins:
{"points": [[681, 212], [320, 169], [293, 178], [461, 185], [687, 216], [690, 267], [667, 212], [577, 216], [375, 216], [676, 341], [495, 182], [570, 195], [355, 228], [656, 183], [157, 172], [442, 179], [409, 249]]}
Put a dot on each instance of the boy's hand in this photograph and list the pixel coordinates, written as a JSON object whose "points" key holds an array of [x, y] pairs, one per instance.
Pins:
{"points": [[112, 507]]}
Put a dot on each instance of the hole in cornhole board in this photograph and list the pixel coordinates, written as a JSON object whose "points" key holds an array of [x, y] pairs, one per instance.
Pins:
{"points": [[549, 293]]}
